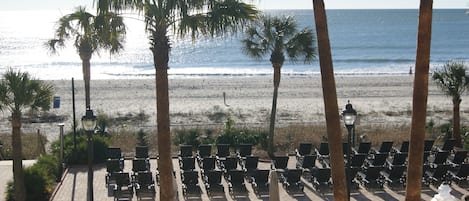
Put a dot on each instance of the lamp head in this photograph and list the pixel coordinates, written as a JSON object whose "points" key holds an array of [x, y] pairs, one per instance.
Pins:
{"points": [[349, 115], [89, 120]]}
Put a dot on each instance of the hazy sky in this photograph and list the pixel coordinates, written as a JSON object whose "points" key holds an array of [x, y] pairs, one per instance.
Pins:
{"points": [[262, 4]]}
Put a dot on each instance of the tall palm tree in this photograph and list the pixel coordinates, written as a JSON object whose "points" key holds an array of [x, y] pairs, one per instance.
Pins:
{"points": [[278, 36], [18, 91], [331, 107], [90, 33], [419, 102], [181, 17], [452, 79]]}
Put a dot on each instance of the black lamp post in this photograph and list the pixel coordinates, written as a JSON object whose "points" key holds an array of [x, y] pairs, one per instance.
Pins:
{"points": [[349, 115], [89, 124]]}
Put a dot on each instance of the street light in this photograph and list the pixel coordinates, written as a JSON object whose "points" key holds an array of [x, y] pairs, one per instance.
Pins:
{"points": [[61, 166], [349, 115], [89, 124]]}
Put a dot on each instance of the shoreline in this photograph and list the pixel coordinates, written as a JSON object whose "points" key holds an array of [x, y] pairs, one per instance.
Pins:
{"points": [[198, 101]]}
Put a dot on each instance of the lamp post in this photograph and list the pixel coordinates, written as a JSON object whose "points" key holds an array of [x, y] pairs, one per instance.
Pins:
{"points": [[61, 167], [349, 115], [89, 124]]}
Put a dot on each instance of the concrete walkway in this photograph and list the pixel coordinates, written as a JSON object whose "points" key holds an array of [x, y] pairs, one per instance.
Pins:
{"points": [[73, 188]]}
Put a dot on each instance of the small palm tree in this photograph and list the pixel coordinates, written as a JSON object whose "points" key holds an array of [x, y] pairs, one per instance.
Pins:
{"points": [[453, 81], [278, 36], [181, 17], [18, 91], [90, 33]]}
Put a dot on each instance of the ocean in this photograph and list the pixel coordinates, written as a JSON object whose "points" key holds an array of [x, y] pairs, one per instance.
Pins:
{"points": [[364, 43]]}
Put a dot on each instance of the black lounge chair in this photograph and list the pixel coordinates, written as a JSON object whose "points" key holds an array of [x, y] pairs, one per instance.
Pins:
{"points": [[140, 165], [394, 176], [190, 183], [428, 145], [260, 182], [439, 158], [236, 183], [213, 185], [208, 164], [144, 185], [448, 145], [437, 175], [371, 177], [250, 165], [377, 159], [321, 180], [292, 181], [244, 150], [112, 167], [345, 148], [123, 187], [205, 150], [279, 164], [397, 159], [385, 147], [223, 150], [323, 153], [141, 152], [404, 148], [307, 163], [363, 148], [358, 160], [187, 163], [185, 150], [114, 153], [458, 158], [303, 149], [460, 174], [230, 163]]}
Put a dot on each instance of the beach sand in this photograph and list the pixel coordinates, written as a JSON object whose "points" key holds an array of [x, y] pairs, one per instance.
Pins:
{"points": [[197, 101]]}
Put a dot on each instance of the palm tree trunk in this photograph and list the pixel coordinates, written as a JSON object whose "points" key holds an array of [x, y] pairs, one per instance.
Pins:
{"points": [[277, 74], [419, 105], [18, 174], [457, 122], [165, 166], [330, 103], [85, 58]]}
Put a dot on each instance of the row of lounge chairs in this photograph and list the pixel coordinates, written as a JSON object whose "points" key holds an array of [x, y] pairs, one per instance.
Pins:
{"points": [[123, 185], [386, 165]]}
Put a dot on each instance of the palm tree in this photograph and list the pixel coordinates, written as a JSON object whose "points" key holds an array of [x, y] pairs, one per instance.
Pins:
{"points": [[90, 33], [331, 107], [181, 17], [278, 36], [419, 102], [18, 91], [452, 79]]}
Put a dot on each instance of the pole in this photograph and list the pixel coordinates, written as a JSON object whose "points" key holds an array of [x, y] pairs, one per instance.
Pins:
{"points": [[61, 126], [90, 165], [349, 160], [74, 119]]}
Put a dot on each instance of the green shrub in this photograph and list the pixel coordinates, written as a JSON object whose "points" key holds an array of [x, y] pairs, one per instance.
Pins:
{"points": [[190, 137], [80, 156], [39, 180], [234, 137], [142, 138]]}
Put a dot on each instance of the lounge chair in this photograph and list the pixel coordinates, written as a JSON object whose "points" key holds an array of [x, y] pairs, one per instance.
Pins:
{"points": [[428, 145], [279, 164], [460, 174], [208, 164], [204, 151], [321, 180], [187, 163], [244, 150], [260, 182], [190, 183], [112, 167], [223, 150], [185, 150], [448, 145], [404, 148], [371, 177], [385, 147], [230, 163], [140, 165], [377, 159], [397, 159], [236, 183], [394, 176], [458, 158], [123, 187], [323, 152], [292, 181], [358, 160], [114, 153], [144, 185], [303, 150], [307, 163], [141, 152], [437, 175], [213, 185], [439, 158], [363, 148], [250, 165]]}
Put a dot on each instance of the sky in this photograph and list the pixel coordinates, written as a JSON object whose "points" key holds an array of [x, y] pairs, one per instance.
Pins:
{"points": [[261, 4]]}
